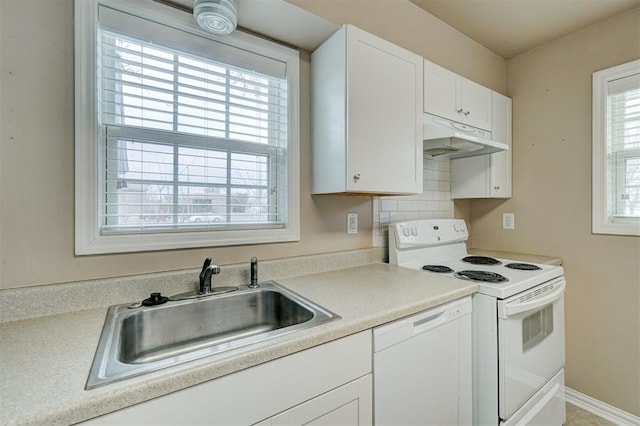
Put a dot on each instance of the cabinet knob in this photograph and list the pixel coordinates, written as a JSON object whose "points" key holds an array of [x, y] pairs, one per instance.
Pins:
{"points": [[356, 177], [467, 113], [496, 188], [459, 111]]}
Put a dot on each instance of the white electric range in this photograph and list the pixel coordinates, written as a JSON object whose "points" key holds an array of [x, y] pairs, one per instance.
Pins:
{"points": [[518, 322]]}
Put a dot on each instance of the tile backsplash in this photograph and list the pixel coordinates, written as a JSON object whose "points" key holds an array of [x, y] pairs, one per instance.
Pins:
{"points": [[434, 202]]}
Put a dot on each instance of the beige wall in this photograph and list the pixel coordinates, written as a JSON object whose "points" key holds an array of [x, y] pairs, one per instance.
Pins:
{"points": [[36, 150], [551, 91]]}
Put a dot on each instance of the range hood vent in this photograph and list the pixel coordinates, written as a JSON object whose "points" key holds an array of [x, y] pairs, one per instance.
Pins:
{"points": [[449, 139]]}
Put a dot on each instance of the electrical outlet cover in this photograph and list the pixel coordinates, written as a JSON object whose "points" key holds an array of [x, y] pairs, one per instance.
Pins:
{"points": [[352, 223], [508, 221]]}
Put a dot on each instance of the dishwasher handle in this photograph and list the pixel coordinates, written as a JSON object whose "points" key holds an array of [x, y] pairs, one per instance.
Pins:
{"points": [[403, 329], [428, 323]]}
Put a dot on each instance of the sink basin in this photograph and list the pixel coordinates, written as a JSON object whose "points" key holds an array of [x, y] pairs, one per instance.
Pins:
{"points": [[140, 340]]}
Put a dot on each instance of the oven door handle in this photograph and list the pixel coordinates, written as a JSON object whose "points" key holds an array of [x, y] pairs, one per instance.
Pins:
{"points": [[508, 309]]}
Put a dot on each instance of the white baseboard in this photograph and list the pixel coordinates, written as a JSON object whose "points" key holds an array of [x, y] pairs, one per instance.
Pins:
{"points": [[599, 408]]}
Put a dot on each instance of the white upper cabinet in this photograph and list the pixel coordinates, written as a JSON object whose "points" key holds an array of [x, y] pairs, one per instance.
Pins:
{"points": [[449, 95], [501, 161], [487, 176], [367, 116]]}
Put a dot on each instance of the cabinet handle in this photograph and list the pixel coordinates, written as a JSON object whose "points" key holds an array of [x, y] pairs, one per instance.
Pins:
{"points": [[459, 111], [467, 113], [356, 177], [496, 188]]}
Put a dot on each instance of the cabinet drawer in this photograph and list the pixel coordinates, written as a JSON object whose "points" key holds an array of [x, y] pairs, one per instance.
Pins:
{"points": [[350, 404]]}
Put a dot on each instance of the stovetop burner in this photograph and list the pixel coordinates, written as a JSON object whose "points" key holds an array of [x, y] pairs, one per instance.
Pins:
{"points": [[437, 268], [484, 276], [481, 260], [523, 266]]}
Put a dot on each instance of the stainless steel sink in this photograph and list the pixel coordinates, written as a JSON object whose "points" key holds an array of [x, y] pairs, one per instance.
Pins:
{"points": [[145, 339]]}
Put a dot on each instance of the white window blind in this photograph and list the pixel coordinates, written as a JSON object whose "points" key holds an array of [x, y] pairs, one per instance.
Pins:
{"points": [[189, 141], [616, 150], [623, 139]]}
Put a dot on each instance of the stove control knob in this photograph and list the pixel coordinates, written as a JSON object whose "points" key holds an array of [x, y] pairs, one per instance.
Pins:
{"points": [[406, 232], [414, 231], [456, 227]]}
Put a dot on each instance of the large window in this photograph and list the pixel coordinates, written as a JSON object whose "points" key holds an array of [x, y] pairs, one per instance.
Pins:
{"points": [[191, 139], [616, 150]]}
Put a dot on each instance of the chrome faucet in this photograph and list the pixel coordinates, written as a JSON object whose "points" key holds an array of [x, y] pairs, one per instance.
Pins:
{"points": [[254, 273], [208, 270]]}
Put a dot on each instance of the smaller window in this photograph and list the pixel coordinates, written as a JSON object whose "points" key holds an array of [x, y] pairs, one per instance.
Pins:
{"points": [[616, 150]]}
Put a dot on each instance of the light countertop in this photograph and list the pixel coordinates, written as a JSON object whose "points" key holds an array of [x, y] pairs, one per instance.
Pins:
{"points": [[45, 361]]}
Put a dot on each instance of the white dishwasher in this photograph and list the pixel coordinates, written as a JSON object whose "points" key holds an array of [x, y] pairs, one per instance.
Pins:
{"points": [[422, 368]]}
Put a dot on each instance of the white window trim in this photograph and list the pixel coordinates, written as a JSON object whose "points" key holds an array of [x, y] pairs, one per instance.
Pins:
{"points": [[601, 220], [88, 239]]}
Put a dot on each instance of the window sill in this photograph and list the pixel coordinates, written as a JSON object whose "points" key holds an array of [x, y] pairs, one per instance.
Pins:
{"points": [[103, 244], [624, 228]]}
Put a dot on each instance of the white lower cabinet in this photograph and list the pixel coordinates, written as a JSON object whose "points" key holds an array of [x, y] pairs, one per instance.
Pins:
{"points": [[328, 384], [351, 404]]}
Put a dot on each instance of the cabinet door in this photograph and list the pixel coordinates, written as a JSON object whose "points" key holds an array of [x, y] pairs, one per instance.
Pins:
{"points": [[384, 81], [441, 91], [501, 161], [475, 104], [351, 404]]}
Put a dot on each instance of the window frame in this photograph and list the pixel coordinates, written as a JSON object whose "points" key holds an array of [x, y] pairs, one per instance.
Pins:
{"points": [[602, 221], [88, 239]]}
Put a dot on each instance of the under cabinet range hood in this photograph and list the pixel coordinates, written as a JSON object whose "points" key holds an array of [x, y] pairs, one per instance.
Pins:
{"points": [[449, 139]]}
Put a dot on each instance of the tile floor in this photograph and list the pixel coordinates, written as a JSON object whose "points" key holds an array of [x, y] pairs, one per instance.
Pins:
{"points": [[578, 417]]}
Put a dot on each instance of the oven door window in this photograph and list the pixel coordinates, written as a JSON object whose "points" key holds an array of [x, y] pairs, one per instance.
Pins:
{"points": [[530, 344], [536, 327]]}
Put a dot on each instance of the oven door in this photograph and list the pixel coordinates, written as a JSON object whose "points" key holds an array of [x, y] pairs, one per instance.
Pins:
{"points": [[531, 343]]}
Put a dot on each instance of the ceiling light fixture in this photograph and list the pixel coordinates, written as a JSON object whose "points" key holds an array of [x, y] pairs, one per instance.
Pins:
{"points": [[216, 16]]}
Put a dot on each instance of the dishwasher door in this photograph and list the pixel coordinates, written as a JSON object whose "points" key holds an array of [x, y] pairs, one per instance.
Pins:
{"points": [[422, 368]]}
